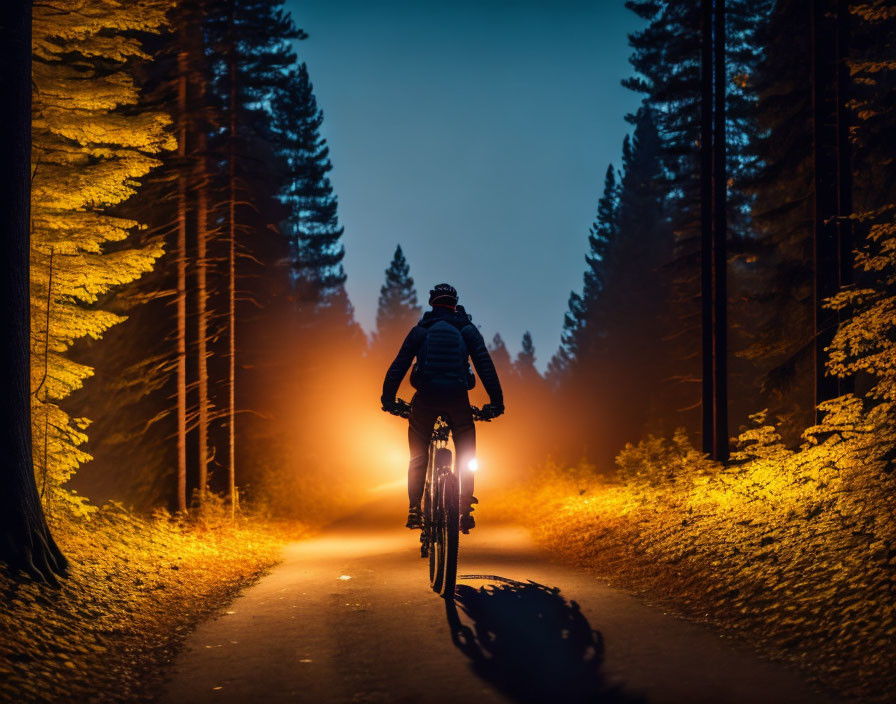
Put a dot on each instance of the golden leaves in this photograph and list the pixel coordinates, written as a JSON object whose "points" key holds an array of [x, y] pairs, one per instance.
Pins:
{"points": [[786, 546], [88, 155], [138, 587]]}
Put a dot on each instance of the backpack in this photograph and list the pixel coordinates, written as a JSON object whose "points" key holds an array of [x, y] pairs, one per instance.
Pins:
{"points": [[442, 360]]}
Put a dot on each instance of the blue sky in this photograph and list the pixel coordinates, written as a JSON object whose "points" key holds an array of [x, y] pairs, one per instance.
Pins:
{"points": [[477, 135]]}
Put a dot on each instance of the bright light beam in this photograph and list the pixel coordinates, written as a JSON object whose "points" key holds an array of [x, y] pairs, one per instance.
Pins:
{"points": [[473, 464]]}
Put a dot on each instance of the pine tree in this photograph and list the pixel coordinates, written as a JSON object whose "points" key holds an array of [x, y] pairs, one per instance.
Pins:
{"points": [[500, 355], [397, 310], [312, 224], [667, 60], [251, 46], [582, 326], [524, 365], [608, 366], [90, 145]]}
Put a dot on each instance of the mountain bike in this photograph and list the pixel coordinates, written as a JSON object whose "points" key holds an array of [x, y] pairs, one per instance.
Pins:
{"points": [[440, 535]]}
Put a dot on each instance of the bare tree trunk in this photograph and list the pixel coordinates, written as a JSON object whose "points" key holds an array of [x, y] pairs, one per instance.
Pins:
{"points": [[182, 282], [844, 168], [713, 231], [25, 539], [202, 308], [706, 308], [720, 247], [231, 266], [824, 144]]}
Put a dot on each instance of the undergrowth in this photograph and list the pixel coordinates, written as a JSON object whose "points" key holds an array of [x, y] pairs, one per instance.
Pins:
{"points": [[794, 551], [138, 587]]}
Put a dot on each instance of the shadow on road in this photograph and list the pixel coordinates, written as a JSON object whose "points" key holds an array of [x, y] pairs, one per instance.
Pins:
{"points": [[532, 644]]}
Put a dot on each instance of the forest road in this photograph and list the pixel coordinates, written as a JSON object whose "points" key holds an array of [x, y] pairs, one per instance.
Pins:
{"points": [[349, 617]]}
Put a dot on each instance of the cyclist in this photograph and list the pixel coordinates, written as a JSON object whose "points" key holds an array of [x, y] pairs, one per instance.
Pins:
{"points": [[443, 342]]}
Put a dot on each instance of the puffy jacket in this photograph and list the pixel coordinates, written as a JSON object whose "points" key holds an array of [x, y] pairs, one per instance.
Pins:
{"points": [[476, 348]]}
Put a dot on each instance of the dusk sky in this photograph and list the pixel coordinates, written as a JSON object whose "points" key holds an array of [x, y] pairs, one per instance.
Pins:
{"points": [[476, 134]]}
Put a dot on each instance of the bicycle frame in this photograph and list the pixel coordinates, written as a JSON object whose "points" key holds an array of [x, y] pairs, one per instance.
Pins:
{"points": [[440, 536], [440, 436], [439, 539]]}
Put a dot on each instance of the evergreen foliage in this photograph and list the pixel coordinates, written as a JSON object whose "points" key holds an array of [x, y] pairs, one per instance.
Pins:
{"points": [[582, 326], [782, 197], [500, 355], [312, 225], [524, 365], [397, 309], [138, 385], [615, 326], [666, 59]]}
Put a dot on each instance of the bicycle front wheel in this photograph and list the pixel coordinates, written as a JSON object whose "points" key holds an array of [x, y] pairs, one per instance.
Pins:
{"points": [[450, 537], [441, 468]]}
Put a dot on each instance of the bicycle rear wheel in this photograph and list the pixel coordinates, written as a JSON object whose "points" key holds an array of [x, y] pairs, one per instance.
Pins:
{"points": [[433, 529], [450, 538], [441, 467]]}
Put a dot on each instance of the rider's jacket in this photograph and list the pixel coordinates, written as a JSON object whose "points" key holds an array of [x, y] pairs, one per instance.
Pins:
{"points": [[479, 355]]}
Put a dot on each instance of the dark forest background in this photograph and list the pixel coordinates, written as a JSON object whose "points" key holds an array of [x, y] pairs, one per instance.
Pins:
{"points": [[240, 366]]}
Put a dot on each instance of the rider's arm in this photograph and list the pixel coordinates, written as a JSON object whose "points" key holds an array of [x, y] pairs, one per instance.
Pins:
{"points": [[402, 363], [482, 360]]}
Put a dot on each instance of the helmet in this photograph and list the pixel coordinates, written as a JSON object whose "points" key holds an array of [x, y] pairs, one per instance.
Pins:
{"points": [[443, 294]]}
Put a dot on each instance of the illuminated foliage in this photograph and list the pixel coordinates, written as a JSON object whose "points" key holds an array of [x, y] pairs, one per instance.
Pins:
{"points": [[90, 147], [141, 585], [793, 549]]}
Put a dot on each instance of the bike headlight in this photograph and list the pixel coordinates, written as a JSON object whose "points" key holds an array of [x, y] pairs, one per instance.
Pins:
{"points": [[473, 464]]}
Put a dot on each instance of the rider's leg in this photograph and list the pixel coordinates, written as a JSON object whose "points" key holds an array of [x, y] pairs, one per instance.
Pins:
{"points": [[460, 420], [421, 422]]}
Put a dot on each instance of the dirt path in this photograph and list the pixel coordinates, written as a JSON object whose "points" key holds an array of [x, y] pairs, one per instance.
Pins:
{"points": [[348, 617]]}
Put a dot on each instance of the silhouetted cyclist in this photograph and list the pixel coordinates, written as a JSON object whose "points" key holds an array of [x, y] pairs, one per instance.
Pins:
{"points": [[443, 342]]}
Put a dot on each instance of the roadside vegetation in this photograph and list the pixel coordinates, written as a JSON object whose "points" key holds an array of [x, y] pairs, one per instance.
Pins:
{"points": [[791, 551], [138, 587]]}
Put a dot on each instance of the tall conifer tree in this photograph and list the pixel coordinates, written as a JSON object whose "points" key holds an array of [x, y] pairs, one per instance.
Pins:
{"points": [[582, 327], [251, 46], [524, 364], [312, 224], [397, 309], [500, 355]]}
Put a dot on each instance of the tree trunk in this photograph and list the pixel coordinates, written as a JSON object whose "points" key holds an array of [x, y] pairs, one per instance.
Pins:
{"points": [[182, 281], [706, 308], [844, 168], [202, 308], [720, 248], [231, 266], [25, 539], [824, 145]]}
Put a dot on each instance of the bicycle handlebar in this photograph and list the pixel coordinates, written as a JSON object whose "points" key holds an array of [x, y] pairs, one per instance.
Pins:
{"points": [[402, 409]]}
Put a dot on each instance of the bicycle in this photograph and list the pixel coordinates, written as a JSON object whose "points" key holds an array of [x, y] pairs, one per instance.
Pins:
{"points": [[440, 535]]}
